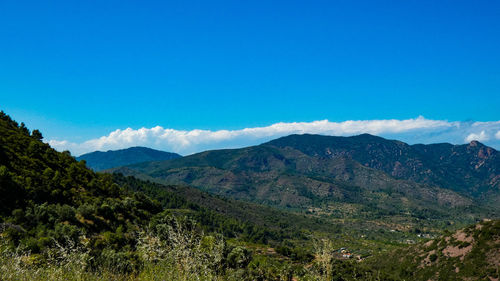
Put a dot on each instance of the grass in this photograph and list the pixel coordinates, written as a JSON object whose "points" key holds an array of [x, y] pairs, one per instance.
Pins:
{"points": [[174, 252]]}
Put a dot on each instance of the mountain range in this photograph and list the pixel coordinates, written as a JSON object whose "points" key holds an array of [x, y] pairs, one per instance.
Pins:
{"points": [[327, 196], [47, 197], [99, 160], [471, 168], [360, 176]]}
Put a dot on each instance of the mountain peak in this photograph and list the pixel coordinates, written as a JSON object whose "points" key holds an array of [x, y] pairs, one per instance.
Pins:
{"points": [[366, 135], [444, 165], [130, 149], [99, 160], [475, 143]]}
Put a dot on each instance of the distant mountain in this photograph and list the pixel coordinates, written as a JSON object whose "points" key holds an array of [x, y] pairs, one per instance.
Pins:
{"points": [[47, 197], [360, 176], [470, 168], [99, 160], [59, 218], [49, 201], [472, 253]]}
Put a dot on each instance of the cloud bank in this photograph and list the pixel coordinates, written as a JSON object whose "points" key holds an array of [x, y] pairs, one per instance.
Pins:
{"points": [[482, 136], [416, 130]]}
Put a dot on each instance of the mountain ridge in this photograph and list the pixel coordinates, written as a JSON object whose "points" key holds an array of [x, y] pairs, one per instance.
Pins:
{"points": [[304, 174], [49, 200], [471, 168], [101, 160]]}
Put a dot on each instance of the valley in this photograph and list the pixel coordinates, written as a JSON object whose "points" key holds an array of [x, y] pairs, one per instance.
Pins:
{"points": [[302, 207]]}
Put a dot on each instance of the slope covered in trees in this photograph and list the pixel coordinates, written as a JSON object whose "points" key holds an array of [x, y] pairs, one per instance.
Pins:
{"points": [[291, 176], [60, 220], [49, 198]]}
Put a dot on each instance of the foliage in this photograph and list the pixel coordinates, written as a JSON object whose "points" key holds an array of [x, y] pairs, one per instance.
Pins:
{"points": [[60, 220], [304, 173], [174, 249], [49, 198]]}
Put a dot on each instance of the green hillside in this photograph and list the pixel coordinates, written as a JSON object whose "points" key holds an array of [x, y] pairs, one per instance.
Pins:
{"points": [[470, 168], [336, 187], [48, 196], [59, 220]]}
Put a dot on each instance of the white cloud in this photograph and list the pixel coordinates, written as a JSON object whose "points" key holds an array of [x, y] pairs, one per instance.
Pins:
{"points": [[497, 135], [477, 137], [186, 142]]}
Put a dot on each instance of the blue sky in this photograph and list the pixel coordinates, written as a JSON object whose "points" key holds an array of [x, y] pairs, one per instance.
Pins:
{"points": [[79, 70]]}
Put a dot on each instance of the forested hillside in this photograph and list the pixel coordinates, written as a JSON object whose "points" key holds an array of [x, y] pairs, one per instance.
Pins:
{"points": [[49, 198], [61, 221], [296, 177]]}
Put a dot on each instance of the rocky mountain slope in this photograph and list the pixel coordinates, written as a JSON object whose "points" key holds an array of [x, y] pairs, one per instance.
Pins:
{"points": [[470, 168], [472, 253], [374, 176]]}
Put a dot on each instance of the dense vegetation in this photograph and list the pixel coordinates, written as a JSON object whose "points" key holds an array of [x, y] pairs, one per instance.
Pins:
{"points": [[48, 198], [294, 178], [60, 220], [181, 200]]}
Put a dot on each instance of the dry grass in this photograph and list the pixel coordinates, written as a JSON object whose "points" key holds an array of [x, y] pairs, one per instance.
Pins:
{"points": [[171, 252]]}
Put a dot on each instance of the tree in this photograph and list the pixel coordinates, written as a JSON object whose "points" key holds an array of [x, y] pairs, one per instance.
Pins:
{"points": [[37, 135]]}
